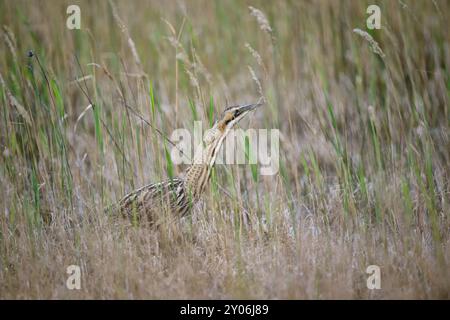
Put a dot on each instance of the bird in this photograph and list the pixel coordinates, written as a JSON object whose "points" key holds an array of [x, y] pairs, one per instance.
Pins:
{"points": [[177, 195]]}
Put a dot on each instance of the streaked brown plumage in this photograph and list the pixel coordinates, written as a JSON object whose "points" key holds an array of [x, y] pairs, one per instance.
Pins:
{"points": [[176, 196]]}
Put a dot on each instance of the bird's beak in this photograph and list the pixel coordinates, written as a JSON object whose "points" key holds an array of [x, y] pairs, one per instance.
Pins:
{"points": [[249, 107]]}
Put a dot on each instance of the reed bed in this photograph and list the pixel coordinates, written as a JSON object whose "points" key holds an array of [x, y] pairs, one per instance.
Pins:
{"points": [[364, 151]]}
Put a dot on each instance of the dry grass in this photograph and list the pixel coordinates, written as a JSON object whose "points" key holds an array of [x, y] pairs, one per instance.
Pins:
{"points": [[364, 168]]}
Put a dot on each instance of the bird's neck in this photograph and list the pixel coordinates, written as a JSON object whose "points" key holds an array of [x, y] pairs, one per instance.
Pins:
{"points": [[197, 175]]}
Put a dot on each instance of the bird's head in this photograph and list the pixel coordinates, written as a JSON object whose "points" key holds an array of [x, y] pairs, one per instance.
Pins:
{"points": [[226, 121]]}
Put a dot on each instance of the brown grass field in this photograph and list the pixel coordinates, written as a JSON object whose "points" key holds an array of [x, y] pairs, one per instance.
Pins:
{"points": [[364, 153]]}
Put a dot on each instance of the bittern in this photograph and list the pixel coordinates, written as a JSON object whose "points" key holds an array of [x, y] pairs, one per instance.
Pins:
{"points": [[177, 195]]}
